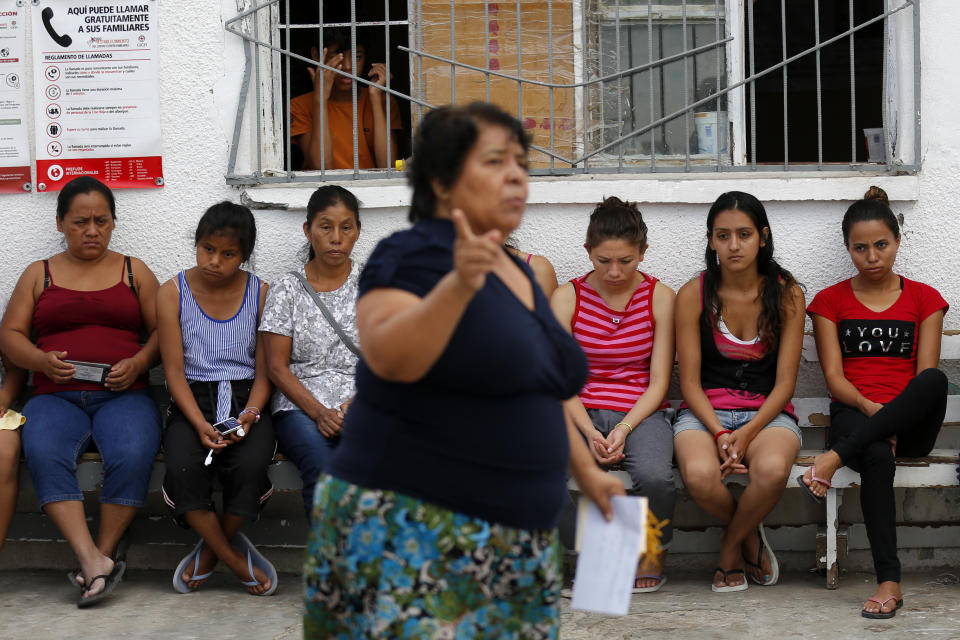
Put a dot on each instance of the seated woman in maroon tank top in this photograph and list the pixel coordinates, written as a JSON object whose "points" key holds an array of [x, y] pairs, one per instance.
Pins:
{"points": [[88, 308]]}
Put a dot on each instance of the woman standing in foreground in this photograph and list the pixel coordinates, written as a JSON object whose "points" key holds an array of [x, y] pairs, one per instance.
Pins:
{"points": [[739, 335], [878, 337], [439, 511]]}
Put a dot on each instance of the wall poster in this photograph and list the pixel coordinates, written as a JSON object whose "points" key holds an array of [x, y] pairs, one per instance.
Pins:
{"points": [[96, 92], [14, 140]]}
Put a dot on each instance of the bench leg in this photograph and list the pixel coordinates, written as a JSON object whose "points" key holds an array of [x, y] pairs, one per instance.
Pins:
{"points": [[834, 498]]}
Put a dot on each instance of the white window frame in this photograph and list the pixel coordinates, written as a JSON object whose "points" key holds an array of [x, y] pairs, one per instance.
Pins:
{"points": [[266, 142]]}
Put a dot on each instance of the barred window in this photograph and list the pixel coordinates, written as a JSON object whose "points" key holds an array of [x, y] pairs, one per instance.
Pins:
{"points": [[602, 86]]}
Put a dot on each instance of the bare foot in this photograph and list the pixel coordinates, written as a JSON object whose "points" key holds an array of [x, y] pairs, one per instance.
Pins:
{"points": [[100, 565], [208, 560], [237, 562], [651, 565], [885, 590], [825, 464]]}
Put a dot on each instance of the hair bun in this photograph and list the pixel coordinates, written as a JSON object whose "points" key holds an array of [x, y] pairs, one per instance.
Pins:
{"points": [[876, 193]]}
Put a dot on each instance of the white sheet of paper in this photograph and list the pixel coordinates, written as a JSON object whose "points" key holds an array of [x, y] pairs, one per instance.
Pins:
{"points": [[608, 554]]}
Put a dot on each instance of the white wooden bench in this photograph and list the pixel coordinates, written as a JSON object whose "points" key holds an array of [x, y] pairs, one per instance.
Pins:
{"points": [[938, 470]]}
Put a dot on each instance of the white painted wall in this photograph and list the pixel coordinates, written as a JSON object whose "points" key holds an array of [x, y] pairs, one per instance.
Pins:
{"points": [[200, 74]]}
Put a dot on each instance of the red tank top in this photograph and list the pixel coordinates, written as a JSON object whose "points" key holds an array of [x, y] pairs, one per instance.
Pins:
{"points": [[618, 345], [93, 326]]}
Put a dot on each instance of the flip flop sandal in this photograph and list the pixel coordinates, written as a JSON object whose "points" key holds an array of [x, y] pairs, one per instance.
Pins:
{"points": [[256, 559], [649, 576], [774, 575], [813, 476], [729, 588], [72, 578], [882, 615], [110, 582], [194, 556]]}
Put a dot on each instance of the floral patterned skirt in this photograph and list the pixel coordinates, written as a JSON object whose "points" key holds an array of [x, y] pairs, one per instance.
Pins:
{"points": [[385, 565]]}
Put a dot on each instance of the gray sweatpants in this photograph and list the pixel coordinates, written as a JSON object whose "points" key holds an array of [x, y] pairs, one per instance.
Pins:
{"points": [[649, 461]]}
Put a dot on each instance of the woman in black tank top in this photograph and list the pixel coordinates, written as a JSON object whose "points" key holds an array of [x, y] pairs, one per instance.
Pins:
{"points": [[739, 336]]}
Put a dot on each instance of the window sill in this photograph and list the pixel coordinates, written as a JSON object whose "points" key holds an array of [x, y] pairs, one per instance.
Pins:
{"points": [[645, 188]]}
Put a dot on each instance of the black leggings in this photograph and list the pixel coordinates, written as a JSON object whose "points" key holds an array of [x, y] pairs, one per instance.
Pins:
{"points": [[915, 417]]}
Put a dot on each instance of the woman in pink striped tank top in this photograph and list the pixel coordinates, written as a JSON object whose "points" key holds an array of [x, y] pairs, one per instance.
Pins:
{"points": [[623, 320]]}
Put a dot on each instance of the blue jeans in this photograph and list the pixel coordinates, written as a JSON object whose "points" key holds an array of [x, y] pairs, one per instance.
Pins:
{"points": [[125, 426], [299, 440]]}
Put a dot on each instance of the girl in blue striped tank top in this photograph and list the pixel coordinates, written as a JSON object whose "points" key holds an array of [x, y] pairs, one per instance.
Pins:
{"points": [[207, 322]]}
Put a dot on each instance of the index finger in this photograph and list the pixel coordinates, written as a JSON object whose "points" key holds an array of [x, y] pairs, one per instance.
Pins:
{"points": [[462, 225]]}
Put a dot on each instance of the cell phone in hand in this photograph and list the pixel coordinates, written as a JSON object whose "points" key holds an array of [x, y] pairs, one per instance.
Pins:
{"points": [[90, 371], [228, 426]]}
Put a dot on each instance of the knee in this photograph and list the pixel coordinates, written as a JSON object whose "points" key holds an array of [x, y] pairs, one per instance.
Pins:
{"points": [[770, 470], [877, 460], [699, 478], [934, 379], [653, 478]]}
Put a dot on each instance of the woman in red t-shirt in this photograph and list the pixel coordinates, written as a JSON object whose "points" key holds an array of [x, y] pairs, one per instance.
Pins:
{"points": [[878, 336]]}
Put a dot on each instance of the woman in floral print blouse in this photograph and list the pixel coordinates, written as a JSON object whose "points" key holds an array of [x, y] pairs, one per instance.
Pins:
{"points": [[308, 362]]}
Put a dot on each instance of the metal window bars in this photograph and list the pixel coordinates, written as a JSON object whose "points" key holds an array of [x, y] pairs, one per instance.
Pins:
{"points": [[585, 139]]}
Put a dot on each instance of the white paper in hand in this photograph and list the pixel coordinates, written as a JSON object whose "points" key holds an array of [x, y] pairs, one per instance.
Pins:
{"points": [[608, 554]]}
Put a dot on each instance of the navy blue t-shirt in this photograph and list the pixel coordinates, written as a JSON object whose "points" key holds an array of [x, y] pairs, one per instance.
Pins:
{"points": [[482, 433]]}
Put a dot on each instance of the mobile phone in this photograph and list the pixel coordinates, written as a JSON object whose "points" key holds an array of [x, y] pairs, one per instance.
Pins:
{"points": [[90, 371], [228, 426]]}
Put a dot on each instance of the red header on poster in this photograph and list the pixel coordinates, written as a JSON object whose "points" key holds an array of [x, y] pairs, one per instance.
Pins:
{"points": [[13, 179], [116, 173]]}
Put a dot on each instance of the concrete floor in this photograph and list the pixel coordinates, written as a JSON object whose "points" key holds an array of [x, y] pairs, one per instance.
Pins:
{"points": [[39, 605]]}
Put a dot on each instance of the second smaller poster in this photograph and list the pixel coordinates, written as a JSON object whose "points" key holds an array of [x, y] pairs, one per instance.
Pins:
{"points": [[96, 97]]}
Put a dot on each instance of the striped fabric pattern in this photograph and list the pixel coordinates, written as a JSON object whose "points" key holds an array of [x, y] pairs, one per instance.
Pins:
{"points": [[618, 345], [219, 350]]}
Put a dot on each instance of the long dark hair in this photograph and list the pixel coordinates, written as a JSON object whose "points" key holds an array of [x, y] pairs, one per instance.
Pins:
{"points": [[328, 196], [875, 205], [777, 281], [443, 140]]}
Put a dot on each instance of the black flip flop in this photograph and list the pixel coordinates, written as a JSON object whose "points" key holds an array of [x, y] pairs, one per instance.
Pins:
{"points": [[805, 487], [110, 582], [72, 578], [882, 615]]}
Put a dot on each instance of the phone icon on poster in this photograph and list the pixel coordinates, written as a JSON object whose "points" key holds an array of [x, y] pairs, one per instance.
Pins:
{"points": [[54, 149], [63, 40]]}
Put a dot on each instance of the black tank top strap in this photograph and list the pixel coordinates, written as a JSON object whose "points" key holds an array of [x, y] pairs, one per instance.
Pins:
{"points": [[126, 261], [47, 279]]}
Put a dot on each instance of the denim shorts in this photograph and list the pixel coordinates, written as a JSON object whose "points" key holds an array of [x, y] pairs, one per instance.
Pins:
{"points": [[733, 419]]}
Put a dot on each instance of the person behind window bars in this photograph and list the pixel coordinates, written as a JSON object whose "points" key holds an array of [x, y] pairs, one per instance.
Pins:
{"points": [[739, 336], [438, 513], [332, 96], [878, 339]]}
